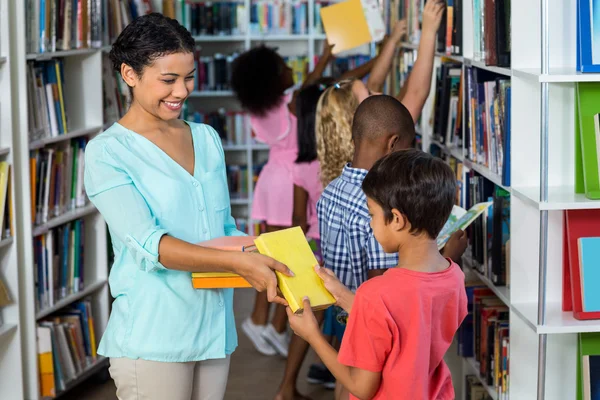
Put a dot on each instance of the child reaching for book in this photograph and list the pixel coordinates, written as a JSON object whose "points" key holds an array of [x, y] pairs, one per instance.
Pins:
{"points": [[402, 323], [381, 125], [338, 103]]}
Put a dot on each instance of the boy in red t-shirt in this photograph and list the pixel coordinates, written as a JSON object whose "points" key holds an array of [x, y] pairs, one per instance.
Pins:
{"points": [[401, 323]]}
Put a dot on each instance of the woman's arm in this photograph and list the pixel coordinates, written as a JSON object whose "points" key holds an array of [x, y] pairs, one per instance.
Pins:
{"points": [[127, 214], [299, 217]]}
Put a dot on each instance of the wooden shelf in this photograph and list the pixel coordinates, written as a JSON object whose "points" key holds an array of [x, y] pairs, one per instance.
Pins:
{"points": [[38, 144], [63, 219], [87, 290]]}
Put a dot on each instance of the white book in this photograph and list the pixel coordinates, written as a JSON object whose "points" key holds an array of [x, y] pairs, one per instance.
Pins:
{"points": [[51, 110], [50, 264]]}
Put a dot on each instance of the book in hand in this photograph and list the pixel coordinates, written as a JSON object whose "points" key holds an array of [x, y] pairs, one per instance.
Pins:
{"points": [[290, 247], [223, 280], [460, 219], [352, 23]]}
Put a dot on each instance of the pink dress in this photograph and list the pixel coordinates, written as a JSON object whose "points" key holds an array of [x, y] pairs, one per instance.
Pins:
{"points": [[273, 200], [307, 176]]}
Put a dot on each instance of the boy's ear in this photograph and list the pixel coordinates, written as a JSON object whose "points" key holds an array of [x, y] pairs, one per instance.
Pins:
{"points": [[398, 220], [392, 143]]}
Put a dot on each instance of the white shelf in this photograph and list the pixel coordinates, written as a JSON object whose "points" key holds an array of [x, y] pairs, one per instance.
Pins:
{"points": [[557, 321], [38, 144], [220, 38], [87, 290], [64, 218], [63, 53], [559, 198], [278, 38], [101, 362], [212, 93], [481, 65], [6, 242], [319, 36], [6, 329], [556, 75], [473, 369]]}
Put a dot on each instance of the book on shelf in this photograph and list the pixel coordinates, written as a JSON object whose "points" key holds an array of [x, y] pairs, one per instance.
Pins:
{"points": [[213, 72], [587, 139], [59, 260], [447, 114], [484, 336], [66, 347], [318, 22], [343, 64], [54, 25], [116, 94], [57, 180], [231, 126], [487, 117], [279, 18], [588, 36], [212, 19], [491, 32], [117, 14], [299, 66], [46, 100], [352, 23]]}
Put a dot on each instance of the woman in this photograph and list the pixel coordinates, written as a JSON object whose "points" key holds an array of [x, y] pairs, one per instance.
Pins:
{"points": [[161, 186]]}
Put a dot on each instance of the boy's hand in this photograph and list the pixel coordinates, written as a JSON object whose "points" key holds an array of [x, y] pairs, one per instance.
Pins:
{"points": [[456, 246], [432, 15], [399, 30], [304, 325], [331, 282]]}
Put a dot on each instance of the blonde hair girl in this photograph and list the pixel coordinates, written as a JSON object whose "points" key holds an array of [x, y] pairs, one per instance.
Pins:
{"points": [[335, 112]]}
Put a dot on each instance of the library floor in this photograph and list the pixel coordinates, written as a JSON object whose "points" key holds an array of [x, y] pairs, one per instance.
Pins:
{"points": [[252, 376]]}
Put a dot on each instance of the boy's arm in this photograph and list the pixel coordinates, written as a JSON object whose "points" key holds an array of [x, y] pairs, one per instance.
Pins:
{"points": [[384, 59], [299, 217], [360, 382], [419, 82]]}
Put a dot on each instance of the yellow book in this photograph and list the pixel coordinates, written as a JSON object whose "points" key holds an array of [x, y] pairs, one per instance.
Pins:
{"points": [[289, 246], [46, 362], [352, 23]]}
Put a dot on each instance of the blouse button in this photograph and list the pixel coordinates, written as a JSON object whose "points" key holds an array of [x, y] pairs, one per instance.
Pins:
{"points": [[196, 184]]}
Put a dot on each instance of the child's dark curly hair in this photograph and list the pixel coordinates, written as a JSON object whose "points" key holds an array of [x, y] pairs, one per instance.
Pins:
{"points": [[257, 79], [147, 38]]}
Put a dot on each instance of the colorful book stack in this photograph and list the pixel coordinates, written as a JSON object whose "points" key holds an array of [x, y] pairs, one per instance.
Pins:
{"points": [[63, 25], [288, 246], [59, 257], [491, 32], [231, 125], [447, 127], [66, 347], [47, 116], [212, 19], [279, 18], [57, 180], [213, 72]]}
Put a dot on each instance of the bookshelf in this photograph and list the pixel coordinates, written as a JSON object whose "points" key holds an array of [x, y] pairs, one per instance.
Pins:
{"points": [[543, 346], [83, 108], [11, 327]]}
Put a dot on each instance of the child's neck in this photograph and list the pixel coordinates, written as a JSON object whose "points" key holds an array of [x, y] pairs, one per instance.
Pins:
{"points": [[365, 157], [421, 255]]}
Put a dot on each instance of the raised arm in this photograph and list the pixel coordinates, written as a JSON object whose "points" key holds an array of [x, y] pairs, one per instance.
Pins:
{"points": [[418, 84], [383, 63], [129, 218], [317, 72]]}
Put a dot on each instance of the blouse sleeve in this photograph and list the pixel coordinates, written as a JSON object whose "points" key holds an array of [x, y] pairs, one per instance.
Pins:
{"points": [[123, 207]]}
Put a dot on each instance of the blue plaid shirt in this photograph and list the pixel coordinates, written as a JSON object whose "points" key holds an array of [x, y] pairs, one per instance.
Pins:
{"points": [[348, 245]]}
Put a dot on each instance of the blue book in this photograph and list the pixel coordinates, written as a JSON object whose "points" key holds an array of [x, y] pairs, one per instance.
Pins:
{"points": [[588, 35], [589, 264]]}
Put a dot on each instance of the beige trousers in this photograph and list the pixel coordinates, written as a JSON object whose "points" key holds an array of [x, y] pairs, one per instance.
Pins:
{"points": [[153, 380]]}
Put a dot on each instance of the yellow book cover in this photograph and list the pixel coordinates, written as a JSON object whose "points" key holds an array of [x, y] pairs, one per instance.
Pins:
{"points": [[352, 23], [46, 363], [289, 246]]}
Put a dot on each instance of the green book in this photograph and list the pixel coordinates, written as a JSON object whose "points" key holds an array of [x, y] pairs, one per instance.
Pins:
{"points": [[587, 123]]}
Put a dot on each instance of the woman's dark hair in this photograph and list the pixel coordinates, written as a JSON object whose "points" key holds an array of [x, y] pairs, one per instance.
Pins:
{"points": [[256, 79], [306, 111], [147, 38], [420, 186]]}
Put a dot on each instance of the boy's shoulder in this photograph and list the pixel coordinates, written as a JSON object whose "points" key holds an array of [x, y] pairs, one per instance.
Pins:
{"points": [[346, 195]]}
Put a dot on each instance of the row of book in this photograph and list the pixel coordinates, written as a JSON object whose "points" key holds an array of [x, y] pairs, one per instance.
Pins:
{"points": [[66, 347], [278, 18], [237, 179], [219, 18], [447, 125], [46, 100], [213, 72], [487, 116], [491, 32], [343, 64], [484, 337], [117, 95], [57, 180], [117, 14], [232, 126], [54, 25], [59, 263]]}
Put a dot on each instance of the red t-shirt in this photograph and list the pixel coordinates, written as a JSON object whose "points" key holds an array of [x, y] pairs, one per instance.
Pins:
{"points": [[402, 324]]}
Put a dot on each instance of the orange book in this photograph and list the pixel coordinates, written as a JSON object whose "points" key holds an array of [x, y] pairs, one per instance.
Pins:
{"points": [[223, 280]]}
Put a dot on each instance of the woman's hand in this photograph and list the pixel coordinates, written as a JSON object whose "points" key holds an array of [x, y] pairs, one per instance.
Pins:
{"points": [[258, 271]]}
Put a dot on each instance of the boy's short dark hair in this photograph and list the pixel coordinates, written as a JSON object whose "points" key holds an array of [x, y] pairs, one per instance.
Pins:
{"points": [[420, 186], [380, 115]]}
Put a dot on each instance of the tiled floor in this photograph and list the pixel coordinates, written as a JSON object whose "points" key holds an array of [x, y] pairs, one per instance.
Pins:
{"points": [[252, 375]]}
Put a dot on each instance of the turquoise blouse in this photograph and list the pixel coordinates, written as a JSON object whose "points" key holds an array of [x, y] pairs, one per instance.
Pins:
{"points": [[143, 194]]}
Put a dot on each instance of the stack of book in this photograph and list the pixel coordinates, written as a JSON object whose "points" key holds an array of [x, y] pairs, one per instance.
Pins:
{"points": [[285, 18]]}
